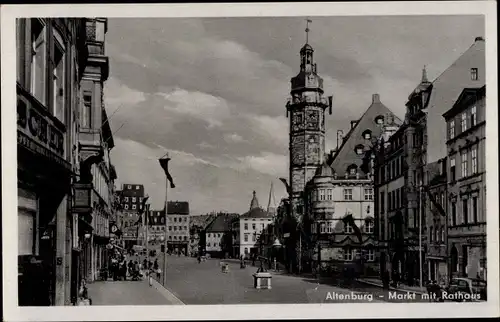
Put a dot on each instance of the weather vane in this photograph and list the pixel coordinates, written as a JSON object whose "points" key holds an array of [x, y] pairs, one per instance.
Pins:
{"points": [[308, 21]]}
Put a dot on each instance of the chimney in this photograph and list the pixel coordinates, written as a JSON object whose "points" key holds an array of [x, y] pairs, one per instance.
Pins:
{"points": [[375, 98], [479, 39]]}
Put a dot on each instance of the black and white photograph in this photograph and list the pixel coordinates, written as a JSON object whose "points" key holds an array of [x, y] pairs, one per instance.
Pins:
{"points": [[299, 157]]}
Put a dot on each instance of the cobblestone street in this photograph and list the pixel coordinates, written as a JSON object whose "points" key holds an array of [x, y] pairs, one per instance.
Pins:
{"points": [[204, 283], [125, 293]]}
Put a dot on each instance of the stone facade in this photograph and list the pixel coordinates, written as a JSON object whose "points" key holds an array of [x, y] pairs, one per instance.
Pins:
{"points": [[306, 109], [466, 145]]}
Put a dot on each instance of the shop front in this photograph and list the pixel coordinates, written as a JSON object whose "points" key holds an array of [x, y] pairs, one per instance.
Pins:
{"points": [[44, 181]]}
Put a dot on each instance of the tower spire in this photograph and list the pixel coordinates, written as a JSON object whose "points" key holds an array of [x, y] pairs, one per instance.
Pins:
{"points": [[308, 21]]}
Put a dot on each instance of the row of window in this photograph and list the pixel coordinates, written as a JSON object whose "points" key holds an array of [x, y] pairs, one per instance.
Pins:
{"points": [[254, 226], [254, 237], [393, 169], [437, 235], [214, 244], [327, 227], [130, 187], [99, 183], [351, 254], [468, 163], [468, 119], [218, 235], [38, 60], [133, 199], [327, 194], [469, 213], [177, 237], [395, 199]]}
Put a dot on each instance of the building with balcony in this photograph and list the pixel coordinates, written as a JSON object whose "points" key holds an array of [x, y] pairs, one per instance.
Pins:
{"points": [[466, 164], [51, 58]]}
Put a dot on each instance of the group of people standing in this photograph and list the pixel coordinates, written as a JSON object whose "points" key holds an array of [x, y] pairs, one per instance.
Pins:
{"points": [[120, 269]]}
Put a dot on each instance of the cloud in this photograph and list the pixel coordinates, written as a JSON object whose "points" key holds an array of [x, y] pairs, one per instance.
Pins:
{"points": [[273, 129], [211, 109], [233, 138], [204, 145], [267, 162], [119, 94]]}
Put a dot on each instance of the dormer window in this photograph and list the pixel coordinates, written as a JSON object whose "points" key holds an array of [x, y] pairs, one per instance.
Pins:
{"points": [[367, 134], [379, 120], [359, 149], [352, 169]]}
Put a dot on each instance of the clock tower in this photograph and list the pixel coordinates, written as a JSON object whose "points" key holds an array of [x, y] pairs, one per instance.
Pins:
{"points": [[306, 111]]}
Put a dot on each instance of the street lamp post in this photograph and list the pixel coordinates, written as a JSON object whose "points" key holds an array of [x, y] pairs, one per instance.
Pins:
{"points": [[164, 164], [420, 235]]}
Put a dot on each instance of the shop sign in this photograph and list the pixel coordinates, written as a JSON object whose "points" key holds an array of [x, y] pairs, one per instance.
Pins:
{"points": [[38, 132], [82, 197]]}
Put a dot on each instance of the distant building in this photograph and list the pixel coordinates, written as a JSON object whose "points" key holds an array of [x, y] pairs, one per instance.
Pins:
{"points": [[197, 225], [217, 236], [466, 162], [156, 227], [178, 223], [247, 229], [131, 197]]}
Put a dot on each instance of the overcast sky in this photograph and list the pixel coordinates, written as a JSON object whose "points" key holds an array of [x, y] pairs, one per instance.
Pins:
{"points": [[213, 93]]}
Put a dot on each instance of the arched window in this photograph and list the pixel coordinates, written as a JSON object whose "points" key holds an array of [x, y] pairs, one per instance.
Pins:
{"points": [[379, 119], [359, 149], [367, 134]]}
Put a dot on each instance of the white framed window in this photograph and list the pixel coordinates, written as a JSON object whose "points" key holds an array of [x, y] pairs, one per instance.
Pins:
{"points": [[370, 255], [329, 194], [133, 199], [348, 228], [59, 79], [140, 199], [352, 170], [245, 237], [369, 226], [443, 240], [348, 194], [474, 160], [349, 254], [463, 122], [464, 164], [129, 187], [38, 59], [329, 227], [452, 169], [452, 129], [321, 194], [134, 207], [473, 74], [136, 187], [473, 115], [126, 199], [246, 226], [126, 206], [368, 192]]}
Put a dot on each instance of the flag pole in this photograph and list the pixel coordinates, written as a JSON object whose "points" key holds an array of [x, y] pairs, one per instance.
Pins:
{"points": [[166, 232]]}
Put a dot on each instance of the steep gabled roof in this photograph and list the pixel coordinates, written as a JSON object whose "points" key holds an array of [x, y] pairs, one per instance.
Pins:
{"points": [[256, 213], [221, 223], [347, 156], [178, 208]]}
